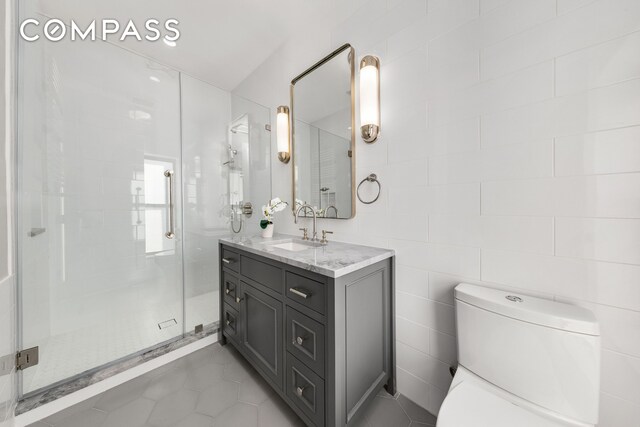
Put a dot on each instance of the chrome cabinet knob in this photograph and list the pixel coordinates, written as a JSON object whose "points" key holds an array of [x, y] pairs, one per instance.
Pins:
{"points": [[300, 390], [299, 340], [228, 322], [238, 299], [227, 291]]}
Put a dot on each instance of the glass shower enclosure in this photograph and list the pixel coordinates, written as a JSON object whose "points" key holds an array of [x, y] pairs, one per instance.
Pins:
{"points": [[123, 193]]}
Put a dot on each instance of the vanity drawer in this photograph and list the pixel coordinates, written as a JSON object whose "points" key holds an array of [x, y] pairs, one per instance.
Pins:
{"points": [[306, 291], [305, 340], [305, 389], [230, 323], [262, 273], [230, 259], [231, 289]]}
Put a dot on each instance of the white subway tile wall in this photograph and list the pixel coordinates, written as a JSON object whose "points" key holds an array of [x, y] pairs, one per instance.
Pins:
{"points": [[509, 156]]}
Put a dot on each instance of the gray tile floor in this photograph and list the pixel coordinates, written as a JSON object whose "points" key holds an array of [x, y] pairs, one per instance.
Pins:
{"points": [[212, 387]]}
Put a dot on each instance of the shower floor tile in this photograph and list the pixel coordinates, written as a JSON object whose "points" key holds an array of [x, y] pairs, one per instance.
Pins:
{"points": [[195, 392], [60, 358]]}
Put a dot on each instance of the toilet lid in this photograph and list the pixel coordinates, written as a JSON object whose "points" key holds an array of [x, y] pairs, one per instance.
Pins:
{"points": [[470, 405]]}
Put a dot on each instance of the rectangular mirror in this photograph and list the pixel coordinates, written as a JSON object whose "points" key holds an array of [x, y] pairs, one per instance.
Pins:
{"points": [[323, 137]]}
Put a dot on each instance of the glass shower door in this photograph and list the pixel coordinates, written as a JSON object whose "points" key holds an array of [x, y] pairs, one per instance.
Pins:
{"points": [[100, 238]]}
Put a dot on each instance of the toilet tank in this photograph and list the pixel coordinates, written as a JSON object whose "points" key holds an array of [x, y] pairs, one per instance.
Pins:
{"points": [[539, 350]]}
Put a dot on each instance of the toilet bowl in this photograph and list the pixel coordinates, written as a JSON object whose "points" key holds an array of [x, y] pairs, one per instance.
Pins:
{"points": [[523, 361]]}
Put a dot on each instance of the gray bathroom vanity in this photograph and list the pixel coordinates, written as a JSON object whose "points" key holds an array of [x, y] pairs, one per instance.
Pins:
{"points": [[317, 322]]}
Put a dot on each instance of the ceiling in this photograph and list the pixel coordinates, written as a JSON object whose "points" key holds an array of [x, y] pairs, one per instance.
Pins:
{"points": [[221, 41]]}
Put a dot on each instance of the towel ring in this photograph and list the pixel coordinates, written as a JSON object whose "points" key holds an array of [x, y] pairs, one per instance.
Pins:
{"points": [[371, 178]]}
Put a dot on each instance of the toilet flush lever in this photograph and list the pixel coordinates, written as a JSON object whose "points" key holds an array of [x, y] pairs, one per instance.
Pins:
{"points": [[514, 298]]}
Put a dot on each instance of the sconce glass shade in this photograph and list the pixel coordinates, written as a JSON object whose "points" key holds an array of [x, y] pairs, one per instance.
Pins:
{"points": [[283, 136], [370, 98]]}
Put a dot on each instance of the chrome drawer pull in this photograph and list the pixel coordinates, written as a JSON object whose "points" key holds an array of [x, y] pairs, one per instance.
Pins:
{"points": [[299, 293], [228, 260], [299, 391]]}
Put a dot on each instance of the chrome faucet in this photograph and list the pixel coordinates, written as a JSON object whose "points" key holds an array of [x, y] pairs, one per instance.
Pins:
{"points": [[313, 211]]}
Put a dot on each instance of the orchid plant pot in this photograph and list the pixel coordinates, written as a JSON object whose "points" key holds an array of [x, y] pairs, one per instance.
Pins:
{"points": [[266, 224], [267, 232]]}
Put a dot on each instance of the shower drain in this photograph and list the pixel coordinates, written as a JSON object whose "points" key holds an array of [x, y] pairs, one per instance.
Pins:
{"points": [[167, 324]]}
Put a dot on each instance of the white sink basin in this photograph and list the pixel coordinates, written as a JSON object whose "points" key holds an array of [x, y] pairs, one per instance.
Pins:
{"points": [[292, 246]]}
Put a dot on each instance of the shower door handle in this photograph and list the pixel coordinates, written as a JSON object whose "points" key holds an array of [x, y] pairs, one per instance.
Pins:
{"points": [[170, 234]]}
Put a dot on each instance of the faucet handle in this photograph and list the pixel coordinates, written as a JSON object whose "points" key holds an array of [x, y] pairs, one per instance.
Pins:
{"points": [[305, 236], [324, 240]]}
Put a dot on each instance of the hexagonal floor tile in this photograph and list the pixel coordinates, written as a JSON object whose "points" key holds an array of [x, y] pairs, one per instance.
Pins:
{"points": [[416, 413], [203, 355], [274, 412], [226, 354], [166, 384], [239, 415], [85, 418], [203, 376], [255, 390], [236, 371], [215, 399], [215, 387], [386, 412], [122, 394], [133, 414], [164, 369], [196, 420], [57, 418], [173, 408]]}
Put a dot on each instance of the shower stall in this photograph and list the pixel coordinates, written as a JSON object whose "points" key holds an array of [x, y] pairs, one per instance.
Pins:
{"points": [[123, 192]]}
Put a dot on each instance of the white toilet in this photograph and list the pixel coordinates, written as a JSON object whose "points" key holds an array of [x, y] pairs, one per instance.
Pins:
{"points": [[523, 362]]}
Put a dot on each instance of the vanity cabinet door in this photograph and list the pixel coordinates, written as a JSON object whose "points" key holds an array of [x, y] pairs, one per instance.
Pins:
{"points": [[262, 323]]}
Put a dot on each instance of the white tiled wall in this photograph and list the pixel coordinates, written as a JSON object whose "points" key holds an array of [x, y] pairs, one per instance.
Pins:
{"points": [[509, 156], [8, 386]]}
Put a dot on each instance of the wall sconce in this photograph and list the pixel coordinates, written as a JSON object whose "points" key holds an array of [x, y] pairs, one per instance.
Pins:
{"points": [[283, 135], [369, 98]]}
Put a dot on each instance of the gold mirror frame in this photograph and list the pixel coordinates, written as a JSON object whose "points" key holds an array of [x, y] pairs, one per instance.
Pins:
{"points": [[352, 54]]}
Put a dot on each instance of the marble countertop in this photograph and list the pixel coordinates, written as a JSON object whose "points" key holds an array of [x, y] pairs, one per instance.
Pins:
{"points": [[333, 260]]}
